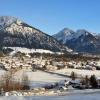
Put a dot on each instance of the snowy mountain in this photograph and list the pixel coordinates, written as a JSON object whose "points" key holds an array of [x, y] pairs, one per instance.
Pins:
{"points": [[79, 41], [6, 21], [15, 33], [64, 35]]}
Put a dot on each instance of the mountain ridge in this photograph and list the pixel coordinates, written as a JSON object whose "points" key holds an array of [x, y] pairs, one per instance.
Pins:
{"points": [[16, 33], [80, 40]]}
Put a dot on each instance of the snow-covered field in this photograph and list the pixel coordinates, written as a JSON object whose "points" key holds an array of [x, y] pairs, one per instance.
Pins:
{"points": [[40, 78], [26, 50], [80, 72]]}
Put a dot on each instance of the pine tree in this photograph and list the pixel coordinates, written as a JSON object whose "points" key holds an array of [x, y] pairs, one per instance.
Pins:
{"points": [[73, 75], [93, 81]]}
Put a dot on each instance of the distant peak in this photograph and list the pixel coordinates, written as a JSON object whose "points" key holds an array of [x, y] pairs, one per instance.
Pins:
{"points": [[66, 31], [83, 31]]}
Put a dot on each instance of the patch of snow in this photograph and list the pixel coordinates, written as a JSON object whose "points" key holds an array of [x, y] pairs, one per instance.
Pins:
{"points": [[27, 50]]}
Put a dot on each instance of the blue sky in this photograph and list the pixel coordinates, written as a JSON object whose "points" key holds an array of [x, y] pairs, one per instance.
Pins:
{"points": [[51, 16]]}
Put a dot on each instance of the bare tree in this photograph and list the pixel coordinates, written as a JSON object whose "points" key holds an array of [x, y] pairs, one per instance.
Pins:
{"points": [[25, 82], [8, 83]]}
